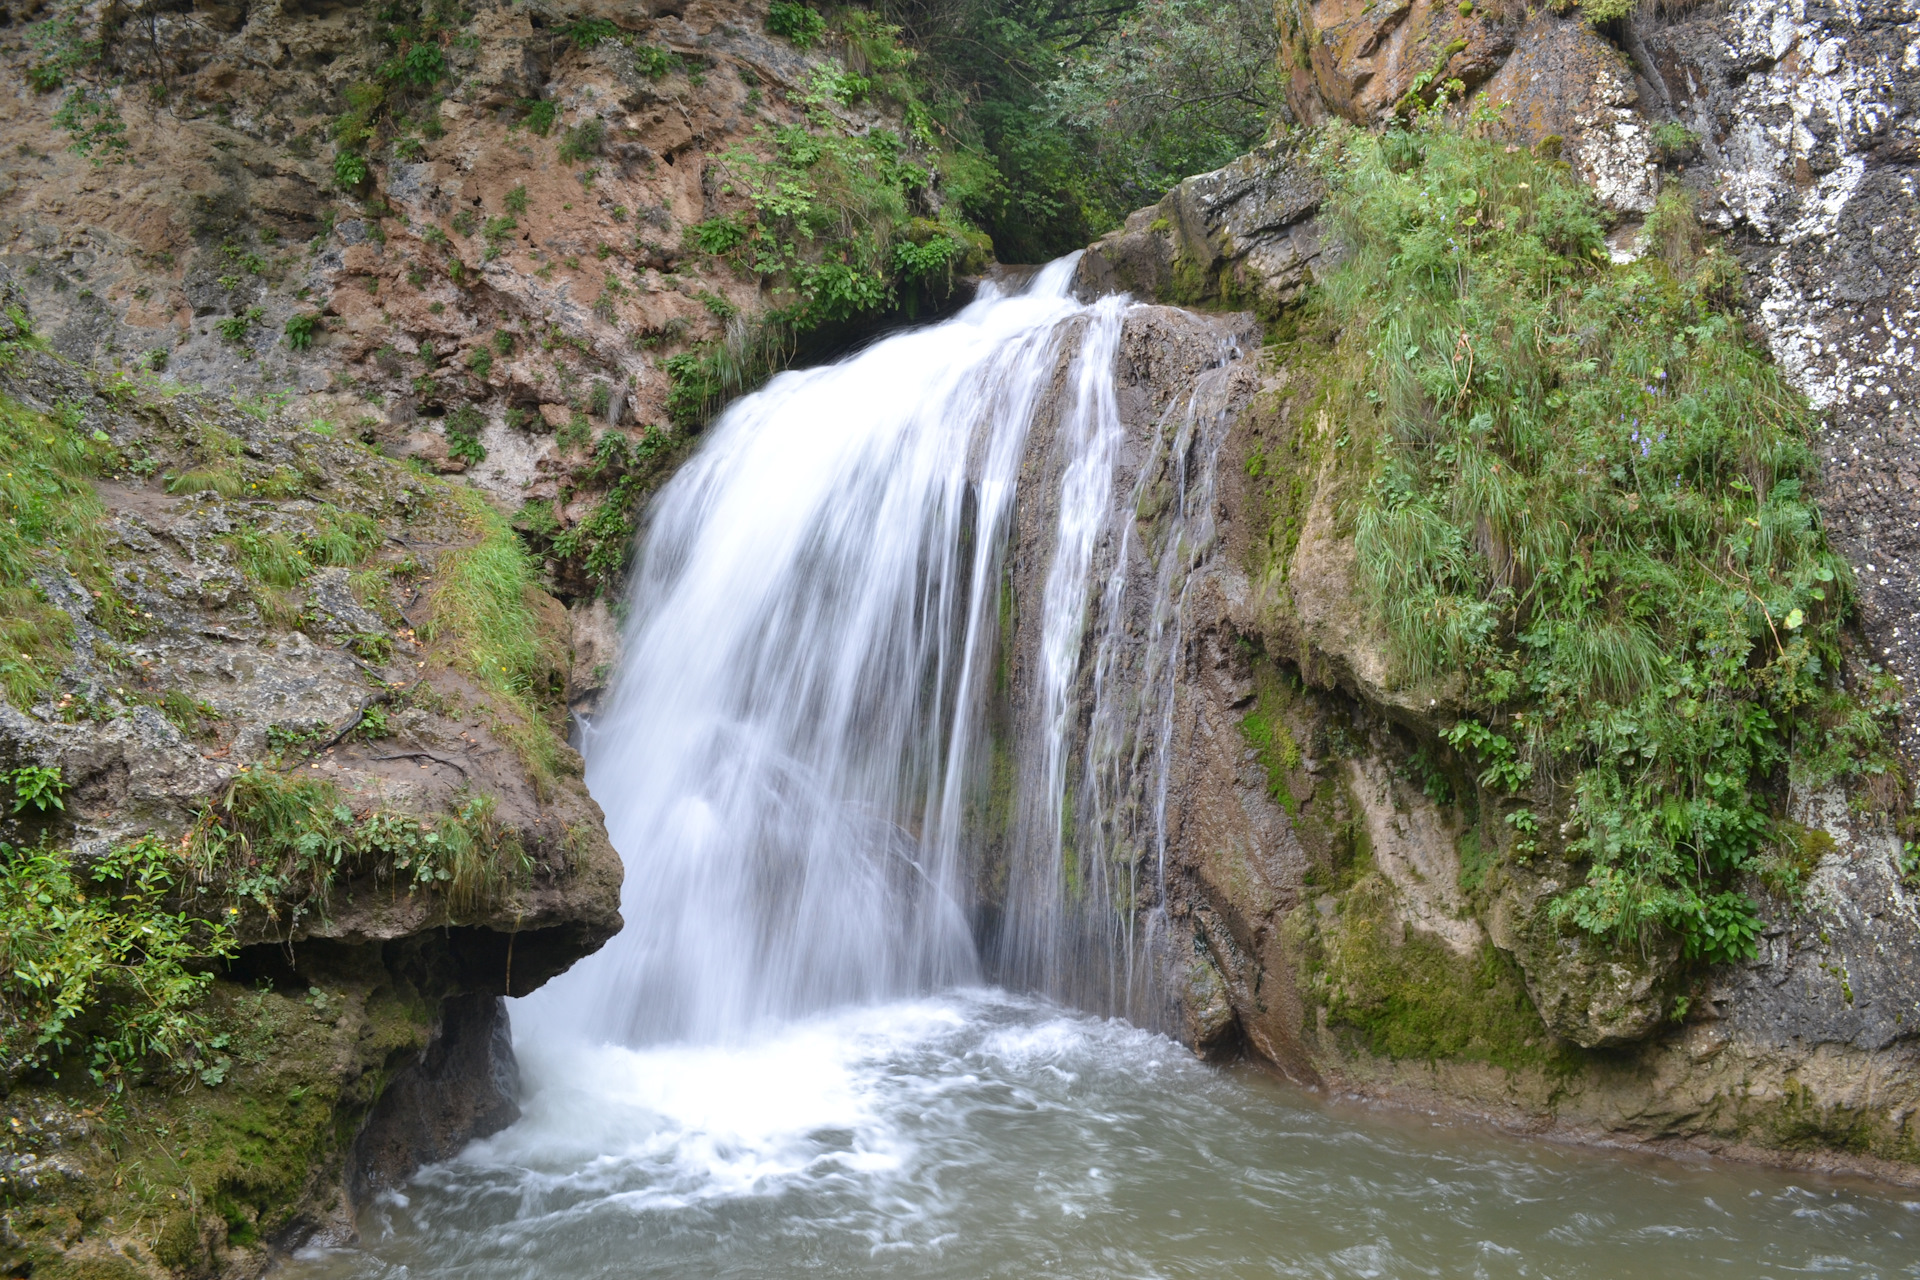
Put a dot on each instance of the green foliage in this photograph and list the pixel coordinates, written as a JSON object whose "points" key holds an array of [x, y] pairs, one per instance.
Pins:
{"points": [[583, 141], [463, 431], [96, 963], [1675, 140], [1583, 489], [418, 64], [283, 843], [50, 519], [577, 434], [93, 121], [536, 115], [796, 22], [1055, 118], [516, 201], [588, 32], [37, 787], [1601, 12], [600, 542], [652, 62], [481, 614], [718, 235], [300, 330], [349, 169], [235, 328], [1182, 87], [61, 48]]}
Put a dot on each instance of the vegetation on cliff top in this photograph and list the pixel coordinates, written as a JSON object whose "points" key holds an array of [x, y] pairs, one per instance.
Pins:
{"points": [[1066, 115], [1585, 490]]}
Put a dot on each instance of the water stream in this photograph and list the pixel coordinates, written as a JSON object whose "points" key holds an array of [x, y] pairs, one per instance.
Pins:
{"points": [[792, 1060]]}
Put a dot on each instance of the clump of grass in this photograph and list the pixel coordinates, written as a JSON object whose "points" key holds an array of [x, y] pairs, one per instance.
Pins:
{"points": [[1586, 491], [342, 538], [49, 516], [272, 559], [225, 480], [285, 842], [482, 616]]}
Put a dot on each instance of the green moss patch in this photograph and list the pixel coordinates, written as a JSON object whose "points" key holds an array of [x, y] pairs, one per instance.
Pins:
{"points": [[1406, 995]]}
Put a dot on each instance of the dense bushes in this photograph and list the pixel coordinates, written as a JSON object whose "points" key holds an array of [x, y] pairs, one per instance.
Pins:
{"points": [[1587, 492], [1063, 116]]}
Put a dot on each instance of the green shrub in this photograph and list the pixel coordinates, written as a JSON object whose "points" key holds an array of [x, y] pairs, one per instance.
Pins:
{"points": [[1579, 485], [463, 433], [99, 964], [235, 328], [718, 235], [537, 115], [516, 200], [1674, 140], [37, 787], [420, 64], [92, 120], [796, 22], [583, 141], [300, 330], [349, 169], [588, 32]]}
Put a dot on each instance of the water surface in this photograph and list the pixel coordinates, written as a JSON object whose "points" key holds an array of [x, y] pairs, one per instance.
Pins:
{"points": [[978, 1134]]}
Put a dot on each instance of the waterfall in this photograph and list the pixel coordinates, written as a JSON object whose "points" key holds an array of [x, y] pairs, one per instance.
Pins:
{"points": [[823, 762]]}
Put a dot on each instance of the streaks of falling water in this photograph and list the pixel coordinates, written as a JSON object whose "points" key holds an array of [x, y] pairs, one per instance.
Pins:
{"points": [[789, 758], [1089, 863]]}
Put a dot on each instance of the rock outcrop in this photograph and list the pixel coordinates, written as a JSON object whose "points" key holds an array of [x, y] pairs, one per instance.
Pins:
{"points": [[270, 648], [1349, 928]]}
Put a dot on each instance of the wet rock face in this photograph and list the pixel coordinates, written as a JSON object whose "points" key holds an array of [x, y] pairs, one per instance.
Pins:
{"points": [[464, 1085], [1244, 235]]}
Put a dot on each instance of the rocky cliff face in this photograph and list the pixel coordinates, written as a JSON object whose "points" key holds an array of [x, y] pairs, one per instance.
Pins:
{"points": [[1351, 929], [271, 646], [314, 298]]}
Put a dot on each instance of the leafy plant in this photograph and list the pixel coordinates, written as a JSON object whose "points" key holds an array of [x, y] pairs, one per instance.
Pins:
{"points": [[796, 22], [300, 330], [463, 433], [93, 121], [349, 169], [536, 115], [37, 787], [516, 200], [583, 141], [235, 328], [98, 964]]}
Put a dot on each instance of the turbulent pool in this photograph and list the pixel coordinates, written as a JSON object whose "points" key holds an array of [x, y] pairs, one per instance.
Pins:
{"points": [[979, 1134]]}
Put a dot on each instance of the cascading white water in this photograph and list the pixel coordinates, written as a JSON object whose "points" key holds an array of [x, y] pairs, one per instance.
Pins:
{"points": [[788, 763]]}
